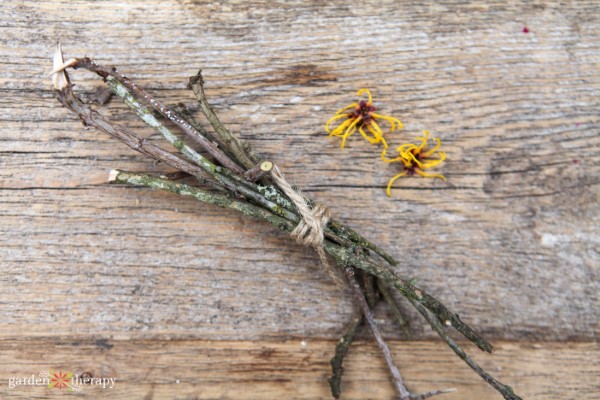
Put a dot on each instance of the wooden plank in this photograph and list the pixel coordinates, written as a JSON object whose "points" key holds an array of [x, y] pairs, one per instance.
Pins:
{"points": [[291, 369], [510, 242]]}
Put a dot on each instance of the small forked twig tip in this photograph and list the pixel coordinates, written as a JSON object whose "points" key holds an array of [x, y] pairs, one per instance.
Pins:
{"points": [[60, 79], [196, 79]]}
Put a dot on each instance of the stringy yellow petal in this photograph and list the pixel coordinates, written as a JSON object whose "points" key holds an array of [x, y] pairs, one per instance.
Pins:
{"points": [[389, 160], [349, 131], [346, 135], [353, 105], [393, 121], [437, 146], [333, 119], [424, 140], [426, 175], [340, 129], [368, 92], [388, 190], [372, 140], [375, 127], [382, 140], [434, 162]]}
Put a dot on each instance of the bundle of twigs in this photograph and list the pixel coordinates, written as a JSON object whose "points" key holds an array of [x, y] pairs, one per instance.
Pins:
{"points": [[239, 179]]}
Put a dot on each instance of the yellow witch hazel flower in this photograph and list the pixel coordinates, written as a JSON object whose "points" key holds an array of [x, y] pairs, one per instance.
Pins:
{"points": [[363, 115], [415, 159]]}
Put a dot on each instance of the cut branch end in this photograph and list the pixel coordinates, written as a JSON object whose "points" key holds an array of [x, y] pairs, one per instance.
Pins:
{"points": [[112, 175]]}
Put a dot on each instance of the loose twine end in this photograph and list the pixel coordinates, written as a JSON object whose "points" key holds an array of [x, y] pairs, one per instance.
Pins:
{"points": [[310, 229]]}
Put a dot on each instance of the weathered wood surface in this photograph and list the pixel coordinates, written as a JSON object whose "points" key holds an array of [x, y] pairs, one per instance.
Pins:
{"points": [[293, 369], [511, 241]]}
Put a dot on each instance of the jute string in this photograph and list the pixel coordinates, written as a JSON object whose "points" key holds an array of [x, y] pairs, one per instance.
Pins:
{"points": [[309, 231]]}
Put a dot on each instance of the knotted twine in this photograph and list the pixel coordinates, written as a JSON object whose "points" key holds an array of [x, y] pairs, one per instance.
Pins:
{"points": [[310, 230]]}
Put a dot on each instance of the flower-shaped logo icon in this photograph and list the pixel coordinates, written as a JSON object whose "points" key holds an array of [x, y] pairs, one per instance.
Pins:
{"points": [[60, 380]]}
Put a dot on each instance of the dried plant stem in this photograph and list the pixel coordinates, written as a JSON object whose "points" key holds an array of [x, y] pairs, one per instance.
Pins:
{"points": [[90, 117], [385, 292], [221, 200], [182, 110], [505, 390], [243, 154], [344, 256], [232, 183], [341, 349], [258, 171], [403, 393], [166, 112], [281, 206]]}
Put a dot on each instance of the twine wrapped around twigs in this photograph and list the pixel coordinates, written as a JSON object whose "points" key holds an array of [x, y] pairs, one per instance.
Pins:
{"points": [[310, 230]]}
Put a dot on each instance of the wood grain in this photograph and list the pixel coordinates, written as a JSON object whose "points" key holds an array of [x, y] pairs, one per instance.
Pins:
{"points": [[511, 241], [196, 369]]}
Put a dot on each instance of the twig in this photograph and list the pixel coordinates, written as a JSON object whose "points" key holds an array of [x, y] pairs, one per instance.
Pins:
{"points": [[387, 354], [370, 289], [185, 126], [403, 393], [258, 171], [385, 292], [224, 201], [244, 156], [341, 349], [95, 119], [346, 257], [234, 183], [185, 113], [505, 390]]}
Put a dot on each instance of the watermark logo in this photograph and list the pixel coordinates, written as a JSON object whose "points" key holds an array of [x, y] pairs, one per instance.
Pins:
{"points": [[62, 380]]}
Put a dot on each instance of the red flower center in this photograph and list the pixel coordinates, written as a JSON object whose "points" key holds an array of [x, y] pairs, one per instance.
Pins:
{"points": [[363, 110]]}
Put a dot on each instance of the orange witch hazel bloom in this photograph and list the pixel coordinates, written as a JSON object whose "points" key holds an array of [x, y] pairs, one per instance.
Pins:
{"points": [[361, 115], [415, 159]]}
